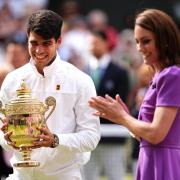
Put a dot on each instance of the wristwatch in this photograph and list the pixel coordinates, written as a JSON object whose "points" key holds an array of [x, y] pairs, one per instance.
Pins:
{"points": [[55, 142]]}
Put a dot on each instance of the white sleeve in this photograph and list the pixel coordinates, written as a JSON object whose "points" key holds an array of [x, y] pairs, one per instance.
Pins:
{"points": [[87, 133]]}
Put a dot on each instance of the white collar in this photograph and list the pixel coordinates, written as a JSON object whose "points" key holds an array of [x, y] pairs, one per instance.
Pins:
{"points": [[54, 67], [104, 61]]}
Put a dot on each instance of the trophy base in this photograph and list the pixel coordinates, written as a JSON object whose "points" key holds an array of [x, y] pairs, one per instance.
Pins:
{"points": [[26, 164]]}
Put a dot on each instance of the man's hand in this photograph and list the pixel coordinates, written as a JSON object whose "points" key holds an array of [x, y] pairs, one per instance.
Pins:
{"points": [[7, 134], [46, 139]]}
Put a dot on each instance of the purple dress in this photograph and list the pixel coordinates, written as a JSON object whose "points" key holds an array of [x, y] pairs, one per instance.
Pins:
{"points": [[161, 161]]}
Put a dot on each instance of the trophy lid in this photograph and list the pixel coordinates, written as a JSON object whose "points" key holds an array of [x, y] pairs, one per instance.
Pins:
{"points": [[23, 90], [24, 103]]}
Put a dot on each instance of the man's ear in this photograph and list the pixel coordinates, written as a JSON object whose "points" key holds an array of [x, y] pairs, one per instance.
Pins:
{"points": [[59, 41]]}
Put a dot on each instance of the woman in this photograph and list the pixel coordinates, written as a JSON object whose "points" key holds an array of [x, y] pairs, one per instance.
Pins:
{"points": [[158, 125]]}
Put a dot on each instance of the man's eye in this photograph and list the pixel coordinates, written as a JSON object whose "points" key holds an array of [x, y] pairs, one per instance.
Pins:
{"points": [[47, 44], [33, 44]]}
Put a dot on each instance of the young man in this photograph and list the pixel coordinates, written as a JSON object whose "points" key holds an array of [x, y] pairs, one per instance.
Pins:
{"points": [[72, 121]]}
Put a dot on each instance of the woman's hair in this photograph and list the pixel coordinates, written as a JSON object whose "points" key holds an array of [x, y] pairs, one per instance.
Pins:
{"points": [[166, 32], [45, 23]]}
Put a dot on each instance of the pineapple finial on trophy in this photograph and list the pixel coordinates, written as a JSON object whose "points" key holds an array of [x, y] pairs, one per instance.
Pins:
{"points": [[23, 90]]}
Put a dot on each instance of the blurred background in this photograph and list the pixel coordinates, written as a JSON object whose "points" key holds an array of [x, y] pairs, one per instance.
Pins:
{"points": [[92, 30], [120, 12]]}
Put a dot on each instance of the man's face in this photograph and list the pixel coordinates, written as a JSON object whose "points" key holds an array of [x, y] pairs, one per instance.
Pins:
{"points": [[42, 51], [98, 46], [17, 55]]}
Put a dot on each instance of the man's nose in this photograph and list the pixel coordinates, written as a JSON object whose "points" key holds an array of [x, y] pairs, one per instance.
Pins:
{"points": [[39, 49]]}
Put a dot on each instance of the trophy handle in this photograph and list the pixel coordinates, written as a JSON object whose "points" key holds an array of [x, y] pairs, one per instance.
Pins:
{"points": [[50, 101], [2, 110]]}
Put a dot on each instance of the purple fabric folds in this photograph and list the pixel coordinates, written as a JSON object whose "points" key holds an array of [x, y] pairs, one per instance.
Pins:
{"points": [[161, 161]]}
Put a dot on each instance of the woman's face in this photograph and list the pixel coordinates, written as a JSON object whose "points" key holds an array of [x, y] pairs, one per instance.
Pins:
{"points": [[146, 45]]}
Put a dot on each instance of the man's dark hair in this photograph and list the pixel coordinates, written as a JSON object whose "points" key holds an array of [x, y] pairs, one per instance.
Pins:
{"points": [[100, 33], [45, 23]]}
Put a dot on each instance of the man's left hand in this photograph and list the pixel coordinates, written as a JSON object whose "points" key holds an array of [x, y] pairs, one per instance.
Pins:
{"points": [[46, 138]]}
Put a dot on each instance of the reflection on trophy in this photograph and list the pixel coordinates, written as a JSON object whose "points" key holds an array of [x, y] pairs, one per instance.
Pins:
{"points": [[25, 117]]}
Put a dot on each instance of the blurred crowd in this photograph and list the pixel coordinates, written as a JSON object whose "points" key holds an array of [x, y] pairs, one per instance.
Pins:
{"points": [[87, 41]]}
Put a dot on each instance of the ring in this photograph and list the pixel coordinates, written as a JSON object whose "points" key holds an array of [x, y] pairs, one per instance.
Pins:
{"points": [[102, 114]]}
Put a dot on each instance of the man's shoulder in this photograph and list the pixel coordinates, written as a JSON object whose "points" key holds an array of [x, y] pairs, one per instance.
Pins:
{"points": [[117, 68], [20, 71], [74, 78], [73, 71]]}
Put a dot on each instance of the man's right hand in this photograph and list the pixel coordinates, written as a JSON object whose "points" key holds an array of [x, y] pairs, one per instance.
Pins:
{"points": [[7, 134]]}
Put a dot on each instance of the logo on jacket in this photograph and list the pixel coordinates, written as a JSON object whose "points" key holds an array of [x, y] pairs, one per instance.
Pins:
{"points": [[58, 87]]}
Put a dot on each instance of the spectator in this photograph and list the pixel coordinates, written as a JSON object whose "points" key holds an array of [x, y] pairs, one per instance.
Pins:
{"points": [[98, 20], [110, 155]]}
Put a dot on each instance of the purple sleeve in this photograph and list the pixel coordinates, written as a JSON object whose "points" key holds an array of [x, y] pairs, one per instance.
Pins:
{"points": [[168, 87]]}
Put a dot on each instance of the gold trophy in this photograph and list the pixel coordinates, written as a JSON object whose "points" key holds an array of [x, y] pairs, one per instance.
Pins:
{"points": [[25, 117]]}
